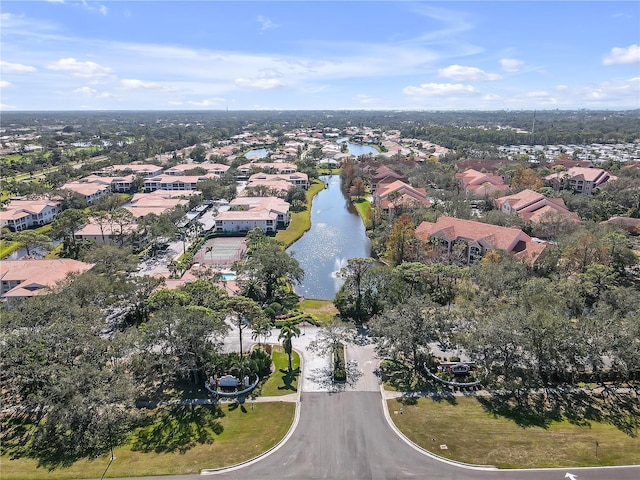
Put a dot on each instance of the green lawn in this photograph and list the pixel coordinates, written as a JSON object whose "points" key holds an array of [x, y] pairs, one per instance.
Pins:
{"points": [[322, 310], [300, 221], [180, 441], [281, 382], [362, 206], [514, 438]]}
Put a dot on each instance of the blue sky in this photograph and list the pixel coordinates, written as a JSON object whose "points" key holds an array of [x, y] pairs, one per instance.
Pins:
{"points": [[209, 55]]}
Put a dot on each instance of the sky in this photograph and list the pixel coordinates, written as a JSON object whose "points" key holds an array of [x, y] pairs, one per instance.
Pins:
{"points": [[319, 55]]}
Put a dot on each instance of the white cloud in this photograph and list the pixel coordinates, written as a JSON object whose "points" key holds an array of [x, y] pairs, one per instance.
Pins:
{"points": [[79, 69], [491, 97], [366, 99], [92, 92], [7, 67], [467, 74], [537, 94], [511, 64], [4, 84], [97, 8], [259, 83], [437, 89], [620, 55], [266, 23], [209, 102], [134, 84]]}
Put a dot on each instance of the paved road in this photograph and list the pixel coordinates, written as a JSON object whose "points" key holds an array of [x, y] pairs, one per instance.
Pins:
{"points": [[344, 433]]}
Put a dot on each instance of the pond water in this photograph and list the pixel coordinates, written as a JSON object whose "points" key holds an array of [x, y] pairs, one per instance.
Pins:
{"points": [[257, 153], [336, 235], [356, 149], [35, 252]]}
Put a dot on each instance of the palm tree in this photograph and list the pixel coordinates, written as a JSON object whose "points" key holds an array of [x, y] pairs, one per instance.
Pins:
{"points": [[286, 335]]}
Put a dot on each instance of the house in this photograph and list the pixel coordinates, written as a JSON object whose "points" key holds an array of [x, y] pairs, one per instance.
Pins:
{"points": [[631, 225], [122, 184], [273, 204], [295, 179], [532, 206], [268, 167], [27, 278], [175, 182], [91, 188], [106, 233], [478, 238], [145, 169], [479, 184], [247, 213], [157, 202], [384, 175], [580, 179], [233, 221], [20, 214], [215, 169], [391, 196]]}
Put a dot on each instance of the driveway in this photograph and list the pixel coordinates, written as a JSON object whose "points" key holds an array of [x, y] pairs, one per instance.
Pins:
{"points": [[344, 432]]}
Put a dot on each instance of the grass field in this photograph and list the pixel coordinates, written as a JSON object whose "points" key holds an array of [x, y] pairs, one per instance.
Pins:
{"points": [[323, 310], [281, 382], [300, 221], [362, 206], [182, 441], [476, 434]]}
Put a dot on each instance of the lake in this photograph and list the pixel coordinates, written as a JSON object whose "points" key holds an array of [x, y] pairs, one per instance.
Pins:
{"points": [[336, 235], [356, 149], [257, 153]]}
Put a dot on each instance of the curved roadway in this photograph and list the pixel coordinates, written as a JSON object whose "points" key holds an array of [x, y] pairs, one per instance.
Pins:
{"points": [[345, 433]]}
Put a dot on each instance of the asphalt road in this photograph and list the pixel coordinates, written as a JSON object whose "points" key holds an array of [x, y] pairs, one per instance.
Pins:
{"points": [[344, 433]]}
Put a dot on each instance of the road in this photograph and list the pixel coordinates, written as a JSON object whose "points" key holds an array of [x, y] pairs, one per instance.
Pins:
{"points": [[344, 432]]}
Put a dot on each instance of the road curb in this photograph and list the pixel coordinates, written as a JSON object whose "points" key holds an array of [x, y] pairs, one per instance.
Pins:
{"points": [[403, 437], [292, 428]]}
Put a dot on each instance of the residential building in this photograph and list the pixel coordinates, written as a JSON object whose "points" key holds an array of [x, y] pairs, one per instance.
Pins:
{"points": [[234, 221], [216, 169], [157, 202], [533, 206], [397, 194], [175, 182], [631, 225], [91, 188], [478, 238], [20, 214], [268, 167], [144, 169], [106, 233], [296, 179], [481, 185], [247, 213], [580, 179], [27, 278]]}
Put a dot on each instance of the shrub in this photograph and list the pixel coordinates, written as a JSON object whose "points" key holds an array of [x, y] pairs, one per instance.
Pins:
{"points": [[339, 369]]}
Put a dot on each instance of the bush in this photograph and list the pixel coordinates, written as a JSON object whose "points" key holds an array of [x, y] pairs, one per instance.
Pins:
{"points": [[339, 369], [276, 307]]}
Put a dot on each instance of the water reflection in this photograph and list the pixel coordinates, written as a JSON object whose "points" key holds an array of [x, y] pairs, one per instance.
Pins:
{"points": [[336, 235]]}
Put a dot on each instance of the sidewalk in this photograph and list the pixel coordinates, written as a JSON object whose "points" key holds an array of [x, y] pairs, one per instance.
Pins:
{"points": [[292, 397]]}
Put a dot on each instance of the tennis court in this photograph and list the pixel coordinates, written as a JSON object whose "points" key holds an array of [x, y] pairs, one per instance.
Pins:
{"points": [[222, 251]]}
